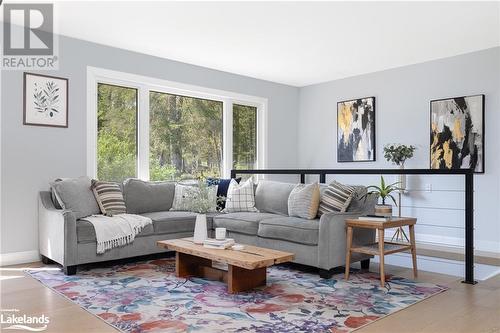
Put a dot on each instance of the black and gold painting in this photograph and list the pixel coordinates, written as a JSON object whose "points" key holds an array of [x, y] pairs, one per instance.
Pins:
{"points": [[457, 133], [356, 130]]}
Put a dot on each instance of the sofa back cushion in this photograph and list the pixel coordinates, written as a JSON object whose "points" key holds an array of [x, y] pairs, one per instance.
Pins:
{"points": [[144, 197], [76, 195], [272, 196]]}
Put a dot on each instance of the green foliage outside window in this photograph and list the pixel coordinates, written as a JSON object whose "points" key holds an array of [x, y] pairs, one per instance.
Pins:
{"points": [[117, 132], [185, 135]]}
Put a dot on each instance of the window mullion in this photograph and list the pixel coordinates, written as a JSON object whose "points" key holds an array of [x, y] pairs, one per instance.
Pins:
{"points": [[143, 134], [227, 139]]}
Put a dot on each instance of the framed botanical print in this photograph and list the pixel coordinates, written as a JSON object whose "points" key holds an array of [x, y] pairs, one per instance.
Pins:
{"points": [[45, 100], [457, 133], [356, 130]]}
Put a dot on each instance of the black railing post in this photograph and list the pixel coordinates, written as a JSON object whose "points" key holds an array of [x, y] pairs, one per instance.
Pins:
{"points": [[469, 228], [233, 173], [322, 178], [302, 178]]}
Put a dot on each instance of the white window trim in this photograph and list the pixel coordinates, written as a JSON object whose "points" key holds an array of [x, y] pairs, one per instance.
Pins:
{"points": [[144, 84]]}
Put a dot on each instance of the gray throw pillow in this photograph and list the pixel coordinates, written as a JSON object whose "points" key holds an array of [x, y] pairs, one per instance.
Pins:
{"points": [[336, 198], [76, 195], [304, 201]]}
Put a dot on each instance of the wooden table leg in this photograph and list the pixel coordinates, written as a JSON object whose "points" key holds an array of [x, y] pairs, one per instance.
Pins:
{"points": [[241, 279], [413, 250], [348, 252], [188, 265], [381, 254]]}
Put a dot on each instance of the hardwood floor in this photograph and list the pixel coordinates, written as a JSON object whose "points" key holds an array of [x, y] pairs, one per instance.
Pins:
{"points": [[463, 308]]}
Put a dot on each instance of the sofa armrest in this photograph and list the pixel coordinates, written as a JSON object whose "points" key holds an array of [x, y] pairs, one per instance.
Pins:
{"points": [[332, 239], [56, 231]]}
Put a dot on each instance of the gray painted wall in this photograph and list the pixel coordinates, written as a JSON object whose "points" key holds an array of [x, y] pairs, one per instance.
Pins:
{"points": [[33, 156], [402, 116]]}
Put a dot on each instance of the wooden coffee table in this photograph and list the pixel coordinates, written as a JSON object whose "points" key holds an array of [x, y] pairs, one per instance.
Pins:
{"points": [[246, 268]]}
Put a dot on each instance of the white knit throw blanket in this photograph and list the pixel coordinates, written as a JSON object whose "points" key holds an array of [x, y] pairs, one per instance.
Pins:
{"points": [[117, 230]]}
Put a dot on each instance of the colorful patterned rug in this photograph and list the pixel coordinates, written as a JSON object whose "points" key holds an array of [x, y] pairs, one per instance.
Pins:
{"points": [[146, 296]]}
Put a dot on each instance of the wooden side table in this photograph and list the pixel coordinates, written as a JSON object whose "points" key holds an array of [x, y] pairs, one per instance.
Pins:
{"points": [[381, 248]]}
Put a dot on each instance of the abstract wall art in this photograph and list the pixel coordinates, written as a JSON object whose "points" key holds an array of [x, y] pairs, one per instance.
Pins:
{"points": [[457, 133], [356, 130], [45, 100]]}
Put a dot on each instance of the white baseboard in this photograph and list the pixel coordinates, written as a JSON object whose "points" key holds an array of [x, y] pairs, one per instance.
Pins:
{"points": [[440, 265], [15, 258]]}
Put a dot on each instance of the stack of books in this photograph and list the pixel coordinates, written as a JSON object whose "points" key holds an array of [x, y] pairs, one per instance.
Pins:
{"points": [[222, 244]]}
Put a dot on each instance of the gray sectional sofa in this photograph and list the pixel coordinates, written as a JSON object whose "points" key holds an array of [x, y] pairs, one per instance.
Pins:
{"points": [[320, 243]]}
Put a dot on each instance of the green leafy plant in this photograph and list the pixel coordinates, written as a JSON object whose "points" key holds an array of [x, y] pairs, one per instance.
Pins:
{"points": [[203, 198], [398, 154], [383, 191]]}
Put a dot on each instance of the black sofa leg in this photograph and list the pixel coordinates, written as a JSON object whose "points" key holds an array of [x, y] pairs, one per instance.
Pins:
{"points": [[46, 261], [70, 270], [365, 264], [328, 273], [325, 273]]}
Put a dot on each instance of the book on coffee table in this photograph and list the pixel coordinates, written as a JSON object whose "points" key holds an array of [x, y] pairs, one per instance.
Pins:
{"points": [[218, 243]]}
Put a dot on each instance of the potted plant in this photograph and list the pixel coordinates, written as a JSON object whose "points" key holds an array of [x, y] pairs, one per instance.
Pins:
{"points": [[398, 154], [385, 192], [203, 199]]}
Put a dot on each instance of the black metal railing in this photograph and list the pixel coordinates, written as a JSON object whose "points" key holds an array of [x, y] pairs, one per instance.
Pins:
{"points": [[469, 195]]}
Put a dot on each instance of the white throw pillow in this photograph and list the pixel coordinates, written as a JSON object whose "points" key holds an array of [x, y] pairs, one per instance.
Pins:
{"points": [[184, 195], [240, 197], [304, 201]]}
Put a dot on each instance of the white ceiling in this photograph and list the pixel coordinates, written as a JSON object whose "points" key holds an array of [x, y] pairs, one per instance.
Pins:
{"points": [[295, 43]]}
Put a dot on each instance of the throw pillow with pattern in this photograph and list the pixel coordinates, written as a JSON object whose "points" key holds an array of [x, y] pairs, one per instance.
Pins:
{"points": [[222, 187], [185, 194], [240, 197], [109, 197], [304, 201], [336, 198]]}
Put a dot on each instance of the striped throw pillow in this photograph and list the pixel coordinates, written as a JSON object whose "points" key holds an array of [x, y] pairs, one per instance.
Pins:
{"points": [[304, 201], [336, 198], [109, 196]]}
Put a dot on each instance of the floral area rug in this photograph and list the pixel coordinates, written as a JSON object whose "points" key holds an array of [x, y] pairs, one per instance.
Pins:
{"points": [[147, 297]]}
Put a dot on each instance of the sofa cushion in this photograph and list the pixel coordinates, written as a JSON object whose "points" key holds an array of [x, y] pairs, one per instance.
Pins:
{"points": [[144, 197], [85, 232], [241, 222], [272, 197], [171, 222], [76, 195], [292, 229]]}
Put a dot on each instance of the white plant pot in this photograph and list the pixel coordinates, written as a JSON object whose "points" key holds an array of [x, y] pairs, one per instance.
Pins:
{"points": [[200, 229]]}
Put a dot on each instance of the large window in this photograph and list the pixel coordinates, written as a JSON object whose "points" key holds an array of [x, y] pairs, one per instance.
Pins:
{"points": [[185, 137], [160, 130], [117, 132], [244, 136]]}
